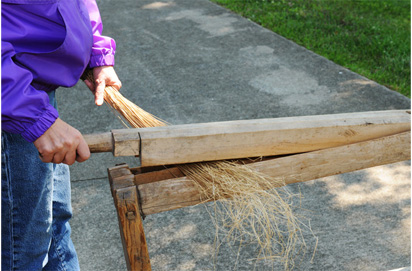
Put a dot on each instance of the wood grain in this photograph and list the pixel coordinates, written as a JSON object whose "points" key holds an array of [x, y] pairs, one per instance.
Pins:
{"points": [[176, 193], [99, 142], [131, 227], [180, 144], [126, 201], [266, 137]]}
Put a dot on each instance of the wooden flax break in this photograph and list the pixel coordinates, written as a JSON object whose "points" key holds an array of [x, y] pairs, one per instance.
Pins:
{"points": [[290, 149]]}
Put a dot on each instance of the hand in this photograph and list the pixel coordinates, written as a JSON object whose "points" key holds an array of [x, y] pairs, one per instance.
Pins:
{"points": [[62, 143], [104, 75]]}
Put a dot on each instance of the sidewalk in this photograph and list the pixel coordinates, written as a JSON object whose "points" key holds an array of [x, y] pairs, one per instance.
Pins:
{"points": [[190, 61]]}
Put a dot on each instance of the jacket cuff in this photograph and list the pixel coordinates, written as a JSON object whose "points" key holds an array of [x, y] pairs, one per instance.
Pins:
{"points": [[41, 125], [101, 60]]}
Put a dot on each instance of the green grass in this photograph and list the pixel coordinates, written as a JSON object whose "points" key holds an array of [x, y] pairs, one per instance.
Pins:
{"points": [[371, 38]]}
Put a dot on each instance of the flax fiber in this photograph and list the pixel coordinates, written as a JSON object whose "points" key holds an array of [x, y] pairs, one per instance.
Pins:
{"points": [[248, 207]]}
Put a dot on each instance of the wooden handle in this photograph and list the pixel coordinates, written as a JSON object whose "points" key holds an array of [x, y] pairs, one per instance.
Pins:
{"points": [[100, 142]]}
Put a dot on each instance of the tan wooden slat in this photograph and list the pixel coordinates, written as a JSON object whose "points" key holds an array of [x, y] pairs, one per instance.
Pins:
{"points": [[266, 137], [180, 192]]}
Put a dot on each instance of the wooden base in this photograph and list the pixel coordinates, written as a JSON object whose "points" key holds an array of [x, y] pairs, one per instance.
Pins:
{"points": [[142, 191]]}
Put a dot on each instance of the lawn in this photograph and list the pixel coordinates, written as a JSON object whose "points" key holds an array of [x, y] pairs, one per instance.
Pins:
{"points": [[371, 38]]}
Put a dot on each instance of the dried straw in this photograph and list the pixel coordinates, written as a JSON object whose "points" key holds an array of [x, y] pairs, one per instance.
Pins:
{"points": [[249, 208], [135, 116]]}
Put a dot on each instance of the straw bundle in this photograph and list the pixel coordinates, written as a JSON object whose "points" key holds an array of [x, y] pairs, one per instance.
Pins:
{"points": [[247, 209]]}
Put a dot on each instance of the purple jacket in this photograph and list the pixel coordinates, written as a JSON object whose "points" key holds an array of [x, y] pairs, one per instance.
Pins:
{"points": [[46, 44]]}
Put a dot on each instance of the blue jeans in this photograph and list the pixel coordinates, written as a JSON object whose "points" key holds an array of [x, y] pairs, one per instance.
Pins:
{"points": [[35, 209]]}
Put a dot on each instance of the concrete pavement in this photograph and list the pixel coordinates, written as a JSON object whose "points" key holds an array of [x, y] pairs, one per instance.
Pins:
{"points": [[189, 61]]}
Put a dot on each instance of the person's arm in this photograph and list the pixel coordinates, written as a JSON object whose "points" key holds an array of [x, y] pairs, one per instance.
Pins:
{"points": [[102, 56], [26, 111]]}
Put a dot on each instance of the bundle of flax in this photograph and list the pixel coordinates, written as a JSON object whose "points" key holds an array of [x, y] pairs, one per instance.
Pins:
{"points": [[249, 208]]}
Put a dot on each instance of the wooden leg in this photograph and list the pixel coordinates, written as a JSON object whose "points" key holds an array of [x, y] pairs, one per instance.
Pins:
{"points": [[130, 222], [132, 229]]}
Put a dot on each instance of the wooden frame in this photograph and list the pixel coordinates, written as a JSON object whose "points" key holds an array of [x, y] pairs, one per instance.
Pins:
{"points": [[142, 191]]}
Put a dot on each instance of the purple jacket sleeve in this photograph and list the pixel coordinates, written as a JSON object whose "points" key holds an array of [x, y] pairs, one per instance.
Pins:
{"points": [[104, 48], [18, 98]]}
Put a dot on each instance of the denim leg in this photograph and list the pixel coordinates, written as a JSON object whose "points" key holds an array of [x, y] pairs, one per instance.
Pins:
{"points": [[35, 210], [62, 255], [27, 185]]}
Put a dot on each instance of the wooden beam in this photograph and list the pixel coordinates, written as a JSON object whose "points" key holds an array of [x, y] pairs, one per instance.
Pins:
{"points": [[168, 173], [190, 143], [333, 161], [264, 137], [181, 192]]}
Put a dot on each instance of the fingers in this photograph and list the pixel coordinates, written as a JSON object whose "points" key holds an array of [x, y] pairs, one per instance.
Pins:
{"points": [[69, 158], [62, 143], [59, 157], [83, 151], [59, 154], [46, 155], [99, 93], [104, 76]]}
